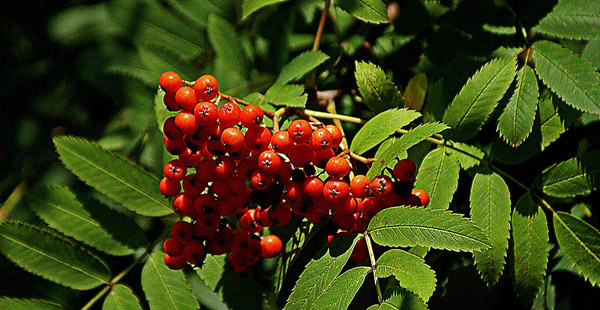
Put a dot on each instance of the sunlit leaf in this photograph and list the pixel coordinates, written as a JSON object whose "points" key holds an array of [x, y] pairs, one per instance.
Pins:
{"points": [[251, 6], [300, 66], [121, 297], [27, 304], [370, 11], [286, 95], [409, 269], [572, 19], [575, 176], [378, 92], [342, 290], [380, 128], [438, 176]]}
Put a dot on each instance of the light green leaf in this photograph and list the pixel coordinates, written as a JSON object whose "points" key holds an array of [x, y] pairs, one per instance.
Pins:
{"points": [[490, 210], [575, 176], [438, 176], [27, 304], [478, 98], [416, 226], [51, 256], [320, 273], [380, 128], [580, 242], [340, 293], [460, 151], [92, 224], [370, 11], [414, 93], [300, 66], [516, 121], [377, 91], [568, 75], [287, 95], [212, 270], [166, 288], [251, 6], [402, 300], [410, 270], [113, 175], [572, 19], [228, 46], [121, 297], [382, 163], [530, 249]]}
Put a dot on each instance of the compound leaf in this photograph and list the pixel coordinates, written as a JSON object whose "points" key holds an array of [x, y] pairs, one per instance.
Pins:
{"points": [[340, 293], [52, 256], [414, 93], [300, 66], [572, 19], [411, 226], [251, 6], [121, 297], [370, 11], [410, 270], [571, 77], [27, 304], [478, 98], [377, 91], [113, 175], [438, 176], [572, 177], [287, 95]]}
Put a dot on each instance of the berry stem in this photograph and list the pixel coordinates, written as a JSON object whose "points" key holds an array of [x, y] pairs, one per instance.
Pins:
{"points": [[373, 265]]}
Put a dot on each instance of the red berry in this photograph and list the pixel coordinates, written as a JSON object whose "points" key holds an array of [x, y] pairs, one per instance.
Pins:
{"points": [[313, 187], [174, 146], [220, 242], [232, 139], [186, 98], [301, 155], [320, 159], [336, 132], [206, 87], [381, 185], [405, 170], [170, 103], [369, 207], [280, 214], [360, 186], [337, 167], [335, 190], [360, 252], [300, 131], [269, 162], [241, 240], [205, 169], [344, 221], [175, 262], [347, 206], [194, 252], [261, 179], [186, 122], [317, 215], [172, 247], [258, 138], [175, 170], [169, 188], [422, 195], [293, 191], [303, 206], [248, 222], [281, 142], [251, 116], [321, 140], [206, 113], [183, 204], [229, 114], [192, 185], [170, 81], [224, 167], [271, 246], [206, 225], [171, 130], [182, 231]]}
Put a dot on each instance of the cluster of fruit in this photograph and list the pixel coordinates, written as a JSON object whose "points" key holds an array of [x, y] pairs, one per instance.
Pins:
{"points": [[246, 177]]}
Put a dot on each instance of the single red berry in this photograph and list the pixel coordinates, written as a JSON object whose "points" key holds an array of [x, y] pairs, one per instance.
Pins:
{"points": [[360, 186], [344, 221], [174, 146], [393, 199], [206, 113], [269, 162], [261, 179], [206, 87], [320, 159], [280, 214], [369, 207], [241, 240], [186, 122], [190, 157], [229, 114], [183, 205], [360, 252], [175, 262], [192, 185], [271, 246], [303, 206], [258, 138], [171, 130], [224, 167], [381, 185], [293, 191], [317, 215], [285, 172], [169, 81], [313, 187], [251, 116], [182, 231], [232, 140], [245, 168], [186, 98], [170, 103], [335, 190], [172, 247], [205, 169], [281, 142], [248, 222], [336, 132], [206, 225], [300, 131], [321, 140], [194, 252], [169, 188], [175, 170], [220, 242], [337, 167], [405, 170], [347, 206], [205, 204], [301, 155], [422, 195], [238, 261]]}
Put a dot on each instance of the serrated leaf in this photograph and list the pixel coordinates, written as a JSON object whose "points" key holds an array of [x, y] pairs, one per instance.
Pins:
{"points": [[414, 93], [340, 293], [438, 176], [478, 98], [591, 53], [402, 300], [121, 297], [94, 225], [377, 91], [401, 145], [380, 165], [490, 210], [380, 128], [166, 288], [572, 19], [113, 175], [300, 66], [291, 95], [212, 270], [460, 150], [410, 270], [370, 11], [572, 177], [568, 75], [416, 226], [228, 46], [530, 247], [580, 242], [320, 273], [27, 304], [251, 6], [516, 121], [51, 256]]}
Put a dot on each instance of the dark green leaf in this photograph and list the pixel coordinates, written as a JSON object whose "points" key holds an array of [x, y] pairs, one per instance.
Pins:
{"points": [[51, 256], [121, 297], [228, 46], [370, 11], [409, 269], [568, 75], [478, 98], [300, 66], [572, 19], [287, 95], [411, 226], [27, 304], [438, 176], [113, 175], [250, 6], [377, 91], [575, 176], [341, 292], [212, 271]]}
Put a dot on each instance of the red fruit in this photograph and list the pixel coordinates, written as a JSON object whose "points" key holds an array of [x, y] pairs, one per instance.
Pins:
{"points": [[206, 113], [301, 155], [336, 191], [232, 139], [313, 187], [248, 222], [183, 204], [293, 191], [206, 87], [169, 81], [205, 204], [281, 142], [336, 132], [369, 207], [220, 241], [170, 103], [337, 167], [205, 169], [241, 240], [175, 146], [261, 179], [170, 129], [317, 215], [320, 159], [344, 221], [186, 122], [422, 195], [224, 167], [280, 214], [251, 116], [300, 131], [186, 98], [172, 247], [381, 185], [321, 140], [269, 162], [175, 262], [229, 114], [245, 168], [405, 170], [271, 246], [192, 185], [348, 206], [182, 231], [302, 206], [258, 138], [238, 261], [360, 252], [194, 252], [175, 170], [206, 225], [169, 188], [360, 186]]}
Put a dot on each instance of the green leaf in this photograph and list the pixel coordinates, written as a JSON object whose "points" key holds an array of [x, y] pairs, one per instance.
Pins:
{"points": [[380, 128], [460, 151], [166, 288], [490, 210], [438, 176], [530, 247], [121, 297], [410, 270], [300, 66], [340, 293], [27, 304], [580, 242], [411, 226], [385, 148], [320, 273], [572, 19], [113, 175], [414, 93], [402, 300], [572, 78], [251, 6], [370, 11], [94, 225], [401, 145], [212, 270], [51, 256], [287, 95], [516, 121], [378, 92], [228, 46], [575, 176], [478, 98]]}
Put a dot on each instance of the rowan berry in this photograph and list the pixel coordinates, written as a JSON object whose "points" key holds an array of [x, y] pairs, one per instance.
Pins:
{"points": [[344, 221], [192, 185], [248, 222], [293, 191], [245, 168], [280, 214], [393, 199], [186, 98], [422, 195], [271, 246], [301, 154], [347, 206], [261, 179], [258, 138], [206, 113], [175, 170], [182, 231], [302, 206], [205, 204], [337, 167], [360, 252], [300, 131], [232, 140], [224, 167], [170, 129], [241, 240], [321, 140], [313, 187], [405, 170], [220, 242], [369, 207], [320, 159], [205, 169], [360, 186], [183, 204], [281, 142], [261, 217], [336, 132], [229, 114], [172, 247], [335, 190], [190, 157], [251, 116], [174, 146], [175, 262], [169, 81], [194, 252], [206, 225], [269, 162], [169, 188], [170, 103], [382, 185], [206, 87], [186, 122]]}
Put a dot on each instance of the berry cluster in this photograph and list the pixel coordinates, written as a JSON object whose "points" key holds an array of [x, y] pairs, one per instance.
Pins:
{"points": [[232, 177]]}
